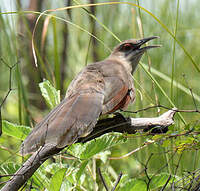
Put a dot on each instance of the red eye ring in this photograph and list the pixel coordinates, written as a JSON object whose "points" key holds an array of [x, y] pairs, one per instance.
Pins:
{"points": [[127, 47]]}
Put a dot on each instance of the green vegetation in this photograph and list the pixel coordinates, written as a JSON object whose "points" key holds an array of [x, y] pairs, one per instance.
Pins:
{"points": [[67, 39]]}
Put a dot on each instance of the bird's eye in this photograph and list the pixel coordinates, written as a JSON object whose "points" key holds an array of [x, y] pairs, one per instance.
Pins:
{"points": [[127, 47]]}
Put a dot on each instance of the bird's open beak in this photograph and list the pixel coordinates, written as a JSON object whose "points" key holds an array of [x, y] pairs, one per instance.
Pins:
{"points": [[144, 40], [135, 55]]}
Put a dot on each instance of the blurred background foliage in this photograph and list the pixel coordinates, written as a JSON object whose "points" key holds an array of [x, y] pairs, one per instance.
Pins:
{"points": [[64, 46]]}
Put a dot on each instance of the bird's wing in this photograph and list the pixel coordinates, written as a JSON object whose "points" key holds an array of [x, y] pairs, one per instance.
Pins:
{"points": [[118, 84], [74, 117], [115, 92], [81, 118], [122, 94], [118, 87]]}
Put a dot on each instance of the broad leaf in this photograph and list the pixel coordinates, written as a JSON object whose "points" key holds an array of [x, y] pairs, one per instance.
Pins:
{"points": [[133, 185], [50, 94], [76, 175], [160, 180], [66, 185], [40, 178], [9, 168], [108, 179], [81, 170], [54, 167], [14, 130], [89, 149], [57, 180]]}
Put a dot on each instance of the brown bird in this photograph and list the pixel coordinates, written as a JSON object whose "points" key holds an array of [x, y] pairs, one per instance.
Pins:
{"points": [[100, 88]]}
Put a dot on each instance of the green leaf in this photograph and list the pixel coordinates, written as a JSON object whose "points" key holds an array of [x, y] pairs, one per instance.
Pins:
{"points": [[71, 171], [50, 94], [14, 130], [89, 149], [66, 185], [76, 175], [6, 169], [57, 180], [166, 143], [124, 179], [159, 180], [40, 176], [108, 179], [81, 169], [54, 167], [135, 184], [9, 168]]}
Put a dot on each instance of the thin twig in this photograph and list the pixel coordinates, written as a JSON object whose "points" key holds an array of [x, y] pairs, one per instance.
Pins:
{"points": [[164, 107], [190, 89], [9, 88], [179, 160], [166, 183], [102, 179], [145, 170], [10, 80], [130, 153], [117, 182]]}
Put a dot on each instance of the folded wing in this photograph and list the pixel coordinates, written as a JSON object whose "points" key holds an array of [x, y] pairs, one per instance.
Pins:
{"points": [[72, 118]]}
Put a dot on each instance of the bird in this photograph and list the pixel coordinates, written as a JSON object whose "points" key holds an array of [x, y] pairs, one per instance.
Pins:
{"points": [[99, 88]]}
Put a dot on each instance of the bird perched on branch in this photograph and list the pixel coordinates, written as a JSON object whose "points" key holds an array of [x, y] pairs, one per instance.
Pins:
{"points": [[100, 88]]}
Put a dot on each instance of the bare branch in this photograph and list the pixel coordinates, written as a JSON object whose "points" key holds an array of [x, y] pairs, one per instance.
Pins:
{"points": [[29, 167], [115, 124], [164, 120]]}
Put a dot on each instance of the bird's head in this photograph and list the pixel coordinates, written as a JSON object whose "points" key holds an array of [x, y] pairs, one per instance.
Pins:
{"points": [[129, 52]]}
